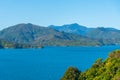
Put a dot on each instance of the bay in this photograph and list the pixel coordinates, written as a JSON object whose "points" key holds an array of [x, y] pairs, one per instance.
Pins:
{"points": [[48, 63]]}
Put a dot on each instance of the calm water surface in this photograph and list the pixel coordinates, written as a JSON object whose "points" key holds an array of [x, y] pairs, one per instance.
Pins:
{"points": [[48, 63]]}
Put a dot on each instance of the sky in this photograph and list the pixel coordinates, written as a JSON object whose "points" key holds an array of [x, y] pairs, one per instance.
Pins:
{"points": [[91, 13]]}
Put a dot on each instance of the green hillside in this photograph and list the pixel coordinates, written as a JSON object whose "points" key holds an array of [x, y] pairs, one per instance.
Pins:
{"points": [[37, 35], [108, 69], [106, 36], [6, 44], [66, 35]]}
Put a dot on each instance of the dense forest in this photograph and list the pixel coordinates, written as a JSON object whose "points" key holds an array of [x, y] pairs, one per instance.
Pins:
{"points": [[108, 69]]}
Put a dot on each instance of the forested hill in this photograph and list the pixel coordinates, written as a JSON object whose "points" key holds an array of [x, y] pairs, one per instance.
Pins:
{"points": [[105, 35], [37, 35], [108, 69], [66, 35]]}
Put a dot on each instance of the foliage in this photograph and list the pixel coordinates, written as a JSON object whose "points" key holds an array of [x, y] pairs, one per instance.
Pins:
{"points": [[102, 70], [71, 74]]}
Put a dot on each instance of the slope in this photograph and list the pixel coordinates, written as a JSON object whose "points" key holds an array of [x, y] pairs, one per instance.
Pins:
{"points": [[38, 35], [108, 69]]}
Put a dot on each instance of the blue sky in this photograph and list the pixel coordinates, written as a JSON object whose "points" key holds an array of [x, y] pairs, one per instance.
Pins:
{"points": [[92, 13]]}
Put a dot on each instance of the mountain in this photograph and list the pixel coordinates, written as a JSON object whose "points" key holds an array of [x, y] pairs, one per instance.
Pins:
{"points": [[38, 35], [106, 36], [108, 69], [104, 33], [72, 28], [66, 35]]}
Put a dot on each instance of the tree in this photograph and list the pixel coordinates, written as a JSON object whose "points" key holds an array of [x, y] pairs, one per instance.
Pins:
{"points": [[71, 74]]}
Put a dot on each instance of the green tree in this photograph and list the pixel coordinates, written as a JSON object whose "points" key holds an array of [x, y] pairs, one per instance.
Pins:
{"points": [[71, 74]]}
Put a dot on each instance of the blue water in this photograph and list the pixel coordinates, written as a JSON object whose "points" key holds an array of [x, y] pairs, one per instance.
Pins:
{"points": [[48, 63]]}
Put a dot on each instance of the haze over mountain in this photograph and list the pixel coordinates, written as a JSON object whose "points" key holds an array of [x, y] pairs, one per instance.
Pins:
{"points": [[45, 12], [38, 35]]}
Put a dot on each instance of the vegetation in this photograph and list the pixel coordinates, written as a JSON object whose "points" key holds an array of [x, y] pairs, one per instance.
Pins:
{"points": [[71, 74], [108, 69], [6, 44], [105, 36], [38, 35], [66, 35]]}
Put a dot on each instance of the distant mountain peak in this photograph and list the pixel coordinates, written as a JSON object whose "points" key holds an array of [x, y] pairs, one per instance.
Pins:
{"points": [[23, 27], [71, 28], [25, 24], [73, 24], [107, 29]]}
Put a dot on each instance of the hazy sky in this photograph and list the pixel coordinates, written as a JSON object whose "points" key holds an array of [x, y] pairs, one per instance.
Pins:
{"points": [[92, 13]]}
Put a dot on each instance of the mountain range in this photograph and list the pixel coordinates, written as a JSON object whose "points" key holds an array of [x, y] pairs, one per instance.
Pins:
{"points": [[72, 28], [38, 35], [106, 36], [66, 35]]}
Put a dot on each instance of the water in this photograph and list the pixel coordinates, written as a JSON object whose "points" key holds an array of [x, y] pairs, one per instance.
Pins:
{"points": [[48, 63]]}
